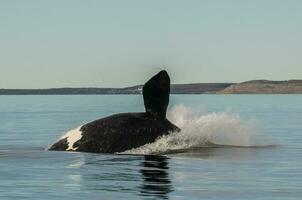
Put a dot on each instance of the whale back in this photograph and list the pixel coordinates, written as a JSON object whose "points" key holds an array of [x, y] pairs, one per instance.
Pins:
{"points": [[125, 131], [156, 93]]}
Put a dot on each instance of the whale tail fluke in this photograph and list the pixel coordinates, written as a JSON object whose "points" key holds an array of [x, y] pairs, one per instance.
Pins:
{"points": [[156, 93]]}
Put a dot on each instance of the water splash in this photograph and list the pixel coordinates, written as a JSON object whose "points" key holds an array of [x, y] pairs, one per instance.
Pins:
{"points": [[200, 130]]}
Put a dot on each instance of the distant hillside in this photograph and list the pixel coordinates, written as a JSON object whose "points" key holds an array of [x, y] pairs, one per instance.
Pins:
{"points": [[196, 88], [249, 87], [265, 87], [71, 91]]}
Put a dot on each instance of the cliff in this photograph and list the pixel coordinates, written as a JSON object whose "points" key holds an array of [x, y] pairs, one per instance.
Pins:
{"points": [[265, 87]]}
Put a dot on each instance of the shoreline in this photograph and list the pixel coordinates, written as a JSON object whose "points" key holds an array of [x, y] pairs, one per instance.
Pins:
{"points": [[248, 87]]}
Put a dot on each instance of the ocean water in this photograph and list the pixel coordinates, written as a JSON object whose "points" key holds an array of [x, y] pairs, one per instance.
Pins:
{"points": [[230, 147]]}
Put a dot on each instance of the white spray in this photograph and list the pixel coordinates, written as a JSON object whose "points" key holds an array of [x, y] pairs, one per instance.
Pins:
{"points": [[203, 130]]}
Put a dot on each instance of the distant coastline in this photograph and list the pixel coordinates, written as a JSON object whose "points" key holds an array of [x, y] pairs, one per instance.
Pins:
{"points": [[248, 87]]}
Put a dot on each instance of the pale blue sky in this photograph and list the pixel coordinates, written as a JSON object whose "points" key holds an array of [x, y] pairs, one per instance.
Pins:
{"points": [[58, 43]]}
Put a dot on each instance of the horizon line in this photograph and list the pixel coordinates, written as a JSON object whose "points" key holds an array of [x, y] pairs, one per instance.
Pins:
{"points": [[137, 85]]}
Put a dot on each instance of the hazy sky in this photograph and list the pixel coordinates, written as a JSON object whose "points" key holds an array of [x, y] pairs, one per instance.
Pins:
{"points": [[58, 43]]}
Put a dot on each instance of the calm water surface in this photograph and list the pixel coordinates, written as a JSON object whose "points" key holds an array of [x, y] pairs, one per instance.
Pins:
{"points": [[28, 124]]}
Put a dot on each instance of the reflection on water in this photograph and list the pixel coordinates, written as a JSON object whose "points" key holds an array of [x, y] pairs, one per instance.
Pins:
{"points": [[109, 173], [156, 181], [114, 176]]}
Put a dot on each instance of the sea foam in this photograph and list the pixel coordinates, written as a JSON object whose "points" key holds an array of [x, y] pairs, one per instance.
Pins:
{"points": [[200, 130]]}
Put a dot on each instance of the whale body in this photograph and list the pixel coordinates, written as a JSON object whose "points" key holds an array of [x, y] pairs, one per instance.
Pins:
{"points": [[125, 131]]}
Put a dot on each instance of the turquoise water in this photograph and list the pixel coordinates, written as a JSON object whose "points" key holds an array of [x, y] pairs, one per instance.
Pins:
{"points": [[262, 159]]}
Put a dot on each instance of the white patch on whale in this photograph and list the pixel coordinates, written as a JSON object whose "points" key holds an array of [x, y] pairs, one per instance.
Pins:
{"points": [[72, 136]]}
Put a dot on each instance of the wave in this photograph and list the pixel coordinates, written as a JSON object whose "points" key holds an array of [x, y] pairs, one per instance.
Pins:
{"points": [[200, 130]]}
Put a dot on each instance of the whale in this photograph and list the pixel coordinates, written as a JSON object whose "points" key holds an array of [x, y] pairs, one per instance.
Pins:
{"points": [[120, 132]]}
